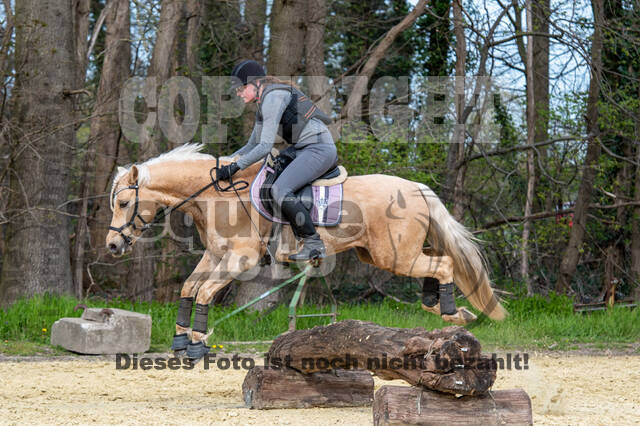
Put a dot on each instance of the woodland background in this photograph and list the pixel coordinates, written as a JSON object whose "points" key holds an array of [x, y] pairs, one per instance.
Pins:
{"points": [[553, 191]]}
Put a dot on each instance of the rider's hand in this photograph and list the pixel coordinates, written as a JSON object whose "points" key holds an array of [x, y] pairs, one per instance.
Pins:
{"points": [[226, 171]]}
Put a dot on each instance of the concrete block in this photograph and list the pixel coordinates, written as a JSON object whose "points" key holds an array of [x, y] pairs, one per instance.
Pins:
{"points": [[104, 332]]}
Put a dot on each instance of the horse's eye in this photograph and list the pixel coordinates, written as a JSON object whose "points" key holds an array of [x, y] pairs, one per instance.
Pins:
{"points": [[123, 204]]}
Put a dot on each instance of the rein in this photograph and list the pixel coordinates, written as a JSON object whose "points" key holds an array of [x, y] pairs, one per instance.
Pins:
{"points": [[235, 186]]}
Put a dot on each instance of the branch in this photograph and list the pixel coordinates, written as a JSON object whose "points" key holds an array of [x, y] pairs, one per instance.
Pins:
{"points": [[378, 53], [516, 148], [544, 215], [525, 33], [98, 27]]}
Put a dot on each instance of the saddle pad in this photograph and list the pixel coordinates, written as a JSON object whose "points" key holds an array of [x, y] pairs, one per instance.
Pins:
{"points": [[327, 202]]}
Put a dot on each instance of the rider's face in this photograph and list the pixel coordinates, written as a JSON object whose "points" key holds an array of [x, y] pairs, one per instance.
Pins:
{"points": [[247, 92]]}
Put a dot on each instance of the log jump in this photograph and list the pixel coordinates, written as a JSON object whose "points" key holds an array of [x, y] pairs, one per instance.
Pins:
{"points": [[331, 366], [447, 360]]}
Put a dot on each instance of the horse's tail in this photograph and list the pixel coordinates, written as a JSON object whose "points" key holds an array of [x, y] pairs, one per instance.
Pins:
{"points": [[448, 236]]}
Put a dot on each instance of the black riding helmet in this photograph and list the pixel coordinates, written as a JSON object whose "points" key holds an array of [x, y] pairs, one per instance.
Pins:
{"points": [[246, 72]]}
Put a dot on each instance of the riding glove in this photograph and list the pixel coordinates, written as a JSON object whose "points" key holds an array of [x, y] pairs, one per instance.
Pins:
{"points": [[226, 171]]}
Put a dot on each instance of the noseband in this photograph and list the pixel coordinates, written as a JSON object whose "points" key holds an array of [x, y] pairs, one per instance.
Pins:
{"points": [[132, 221]]}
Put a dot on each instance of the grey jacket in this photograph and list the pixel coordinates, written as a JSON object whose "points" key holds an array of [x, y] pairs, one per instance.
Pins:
{"points": [[263, 135]]}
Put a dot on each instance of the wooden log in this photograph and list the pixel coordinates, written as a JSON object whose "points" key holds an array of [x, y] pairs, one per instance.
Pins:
{"points": [[288, 388], [447, 360], [416, 406]]}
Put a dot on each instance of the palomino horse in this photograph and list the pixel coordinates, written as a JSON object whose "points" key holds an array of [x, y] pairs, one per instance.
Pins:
{"points": [[386, 219]]}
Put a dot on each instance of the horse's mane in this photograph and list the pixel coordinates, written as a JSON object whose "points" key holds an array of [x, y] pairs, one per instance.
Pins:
{"points": [[186, 152]]}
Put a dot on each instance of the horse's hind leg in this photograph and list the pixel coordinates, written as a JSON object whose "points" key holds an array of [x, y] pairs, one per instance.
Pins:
{"points": [[438, 288]]}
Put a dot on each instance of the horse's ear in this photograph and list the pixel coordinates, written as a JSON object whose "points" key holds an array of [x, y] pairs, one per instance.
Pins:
{"points": [[133, 175], [121, 170]]}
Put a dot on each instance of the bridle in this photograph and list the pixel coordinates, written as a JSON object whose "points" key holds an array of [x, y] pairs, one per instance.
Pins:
{"points": [[235, 186], [132, 221]]}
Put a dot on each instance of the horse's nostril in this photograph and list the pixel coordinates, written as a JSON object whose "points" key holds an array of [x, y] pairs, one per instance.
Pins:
{"points": [[113, 248]]}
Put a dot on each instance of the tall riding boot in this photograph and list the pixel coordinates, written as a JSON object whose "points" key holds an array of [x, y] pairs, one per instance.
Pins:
{"points": [[302, 225]]}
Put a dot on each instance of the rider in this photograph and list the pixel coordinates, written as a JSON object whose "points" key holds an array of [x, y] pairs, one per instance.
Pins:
{"points": [[284, 110]]}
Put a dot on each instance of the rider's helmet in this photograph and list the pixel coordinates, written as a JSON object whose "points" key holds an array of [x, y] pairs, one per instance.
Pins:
{"points": [[246, 72]]}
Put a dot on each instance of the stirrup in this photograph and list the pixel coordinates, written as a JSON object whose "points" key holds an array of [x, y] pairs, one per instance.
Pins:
{"points": [[313, 249]]}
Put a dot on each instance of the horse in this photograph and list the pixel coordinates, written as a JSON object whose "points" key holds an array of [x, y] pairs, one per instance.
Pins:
{"points": [[386, 219]]}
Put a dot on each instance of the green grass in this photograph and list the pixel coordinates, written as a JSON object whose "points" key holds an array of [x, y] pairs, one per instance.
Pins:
{"points": [[535, 322]]}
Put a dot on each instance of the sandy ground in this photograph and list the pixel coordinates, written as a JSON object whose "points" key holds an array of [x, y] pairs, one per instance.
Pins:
{"points": [[565, 389]]}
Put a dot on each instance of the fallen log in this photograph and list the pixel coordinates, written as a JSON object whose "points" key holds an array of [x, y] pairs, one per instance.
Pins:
{"points": [[416, 406], [288, 388], [446, 360]]}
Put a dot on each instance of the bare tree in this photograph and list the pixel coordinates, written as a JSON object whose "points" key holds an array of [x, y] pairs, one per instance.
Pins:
{"points": [[540, 14], [36, 243], [140, 280], [314, 53], [360, 87], [251, 46], [286, 44], [104, 151], [531, 171], [82, 8], [455, 175], [635, 222], [572, 252]]}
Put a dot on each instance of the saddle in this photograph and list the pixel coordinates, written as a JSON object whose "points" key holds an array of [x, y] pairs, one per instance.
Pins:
{"points": [[322, 197]]}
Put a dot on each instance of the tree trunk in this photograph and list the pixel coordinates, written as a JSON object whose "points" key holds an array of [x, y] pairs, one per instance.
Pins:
{"points": [[541, 11], [36, 243], [185, 61], [286, 44], [635, 218], [6, 37], [81, 30], [105, 128], [455, 175], [265, 388], [251, 47], [140, 280], [193, 16], [408, 405], [314, 54], [447, 360], [571, 254], [531, 171]]}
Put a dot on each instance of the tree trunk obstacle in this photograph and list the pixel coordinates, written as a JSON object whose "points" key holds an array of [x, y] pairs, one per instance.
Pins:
{"points": [[288, 388], [411, 405], [323, 367], [446, 360]]}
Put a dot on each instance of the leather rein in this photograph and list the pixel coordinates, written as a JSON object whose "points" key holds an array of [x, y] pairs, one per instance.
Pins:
{"points": [[235, 186]]}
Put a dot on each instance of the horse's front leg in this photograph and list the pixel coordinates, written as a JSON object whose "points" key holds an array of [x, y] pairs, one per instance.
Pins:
{"points": [[199, 276], [232, 264]]}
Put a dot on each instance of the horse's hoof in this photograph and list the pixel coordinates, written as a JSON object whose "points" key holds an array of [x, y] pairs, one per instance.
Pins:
{"points": [[196, 351], [462, 317], [180, 342], [435, 309], [180, 353]]}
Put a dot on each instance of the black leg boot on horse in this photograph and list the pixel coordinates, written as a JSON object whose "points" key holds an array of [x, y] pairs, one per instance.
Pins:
{"points": [[180, 341], [195, 351], [440, 300], [303, 229]]}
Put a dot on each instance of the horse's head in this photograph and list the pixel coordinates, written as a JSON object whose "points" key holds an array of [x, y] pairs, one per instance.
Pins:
{"points": [[132, 210]]}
